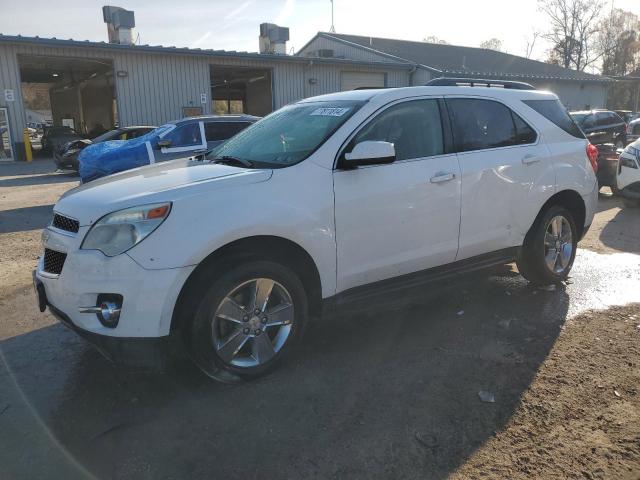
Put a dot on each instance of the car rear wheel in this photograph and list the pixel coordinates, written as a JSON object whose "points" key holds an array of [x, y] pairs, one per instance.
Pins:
{"points": [[549, 248], [248, 319]]}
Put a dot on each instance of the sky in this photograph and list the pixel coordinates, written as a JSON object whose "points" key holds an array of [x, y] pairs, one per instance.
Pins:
{"points": [[234, 24]]}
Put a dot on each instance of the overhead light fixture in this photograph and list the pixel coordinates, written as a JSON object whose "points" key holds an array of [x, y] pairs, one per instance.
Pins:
{"points": [[55, 75]]}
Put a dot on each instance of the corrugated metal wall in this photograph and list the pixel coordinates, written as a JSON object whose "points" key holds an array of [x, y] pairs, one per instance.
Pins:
{"points": [[576, 96], [421, 76], [153, 88], [157, 87]]}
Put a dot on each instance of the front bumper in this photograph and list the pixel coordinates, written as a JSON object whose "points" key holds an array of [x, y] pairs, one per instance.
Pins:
{"points": [[149, 297], [132, 353]]}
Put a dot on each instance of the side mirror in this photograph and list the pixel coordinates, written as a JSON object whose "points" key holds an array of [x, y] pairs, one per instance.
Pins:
{"points": [[370, 152], [164, 143]]}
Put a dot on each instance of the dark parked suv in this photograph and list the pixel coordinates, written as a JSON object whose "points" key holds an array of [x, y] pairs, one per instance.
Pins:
{"points": [[602, 126]]}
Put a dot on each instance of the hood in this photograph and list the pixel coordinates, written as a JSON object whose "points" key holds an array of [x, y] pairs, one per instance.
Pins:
{"points": [[167, 181]]}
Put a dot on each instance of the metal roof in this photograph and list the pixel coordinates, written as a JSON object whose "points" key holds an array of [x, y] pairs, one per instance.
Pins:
{"points": [[453, 60], [57, 42]]}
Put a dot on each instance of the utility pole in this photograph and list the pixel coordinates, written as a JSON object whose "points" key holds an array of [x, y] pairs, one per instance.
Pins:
{"points": [[333, 28]]}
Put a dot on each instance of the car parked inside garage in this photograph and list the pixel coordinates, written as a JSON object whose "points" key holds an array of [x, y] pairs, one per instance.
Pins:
{"points": [[178, 139], [66, 156], [54, 137], [336, 198]]}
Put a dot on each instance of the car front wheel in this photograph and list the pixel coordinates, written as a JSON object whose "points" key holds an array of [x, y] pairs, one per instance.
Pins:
{"points": [[549, 248], [248, 319]]}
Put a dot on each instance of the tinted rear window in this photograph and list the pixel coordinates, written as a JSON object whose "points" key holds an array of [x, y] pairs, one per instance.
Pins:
{"points": [[480, 124], [555, 112]]}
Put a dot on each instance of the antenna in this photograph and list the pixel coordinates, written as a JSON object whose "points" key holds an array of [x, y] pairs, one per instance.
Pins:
{"points": [[333, 28]]}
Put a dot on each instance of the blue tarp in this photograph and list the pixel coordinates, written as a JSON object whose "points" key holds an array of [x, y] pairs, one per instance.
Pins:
{"points": [[105, 158]]}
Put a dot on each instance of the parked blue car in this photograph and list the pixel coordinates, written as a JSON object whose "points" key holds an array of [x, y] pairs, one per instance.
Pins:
{"points": [[179, 139]]}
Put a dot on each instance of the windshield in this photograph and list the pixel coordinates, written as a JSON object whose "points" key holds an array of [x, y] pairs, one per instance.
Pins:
{"points": [[288, 135]]}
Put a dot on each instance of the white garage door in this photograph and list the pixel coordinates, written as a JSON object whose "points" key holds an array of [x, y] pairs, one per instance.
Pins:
{"points": [[353, 80]]}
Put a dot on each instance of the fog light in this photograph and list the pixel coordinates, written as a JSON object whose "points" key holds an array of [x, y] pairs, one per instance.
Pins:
{"points": [[107, 309]]}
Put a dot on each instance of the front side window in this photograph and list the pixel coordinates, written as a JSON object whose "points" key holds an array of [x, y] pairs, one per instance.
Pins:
{"points": [[187, 135], [289, 135], [413, 127], [481, 124]]}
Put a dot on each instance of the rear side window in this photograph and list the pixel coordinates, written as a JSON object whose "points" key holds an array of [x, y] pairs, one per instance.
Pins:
{"points": [[481, 124], [555, 112], [414, 127], [215, 131]]}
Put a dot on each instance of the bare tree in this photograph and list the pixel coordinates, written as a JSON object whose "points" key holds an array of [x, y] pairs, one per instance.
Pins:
{"points": [[618, 42], [531, 43], [573, 25], [434, 39], [492, 44], [619, 45]]}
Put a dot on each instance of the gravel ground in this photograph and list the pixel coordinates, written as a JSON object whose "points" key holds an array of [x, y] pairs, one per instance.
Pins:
{"points": [[385, 391]]}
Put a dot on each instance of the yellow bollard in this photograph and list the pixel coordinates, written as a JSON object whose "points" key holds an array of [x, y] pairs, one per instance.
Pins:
{"points": [[27, 145]]}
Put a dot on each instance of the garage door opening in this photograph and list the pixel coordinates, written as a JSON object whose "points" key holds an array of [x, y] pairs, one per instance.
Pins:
{"points": [[77, 93], [236, 90], [355, 80]]}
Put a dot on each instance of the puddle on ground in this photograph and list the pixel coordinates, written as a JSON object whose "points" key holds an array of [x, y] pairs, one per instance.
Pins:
{"points": [[603, 280]]}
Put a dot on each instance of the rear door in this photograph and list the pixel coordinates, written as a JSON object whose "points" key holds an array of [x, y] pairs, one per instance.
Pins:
{"points": [[402, 217], [505, 174]]}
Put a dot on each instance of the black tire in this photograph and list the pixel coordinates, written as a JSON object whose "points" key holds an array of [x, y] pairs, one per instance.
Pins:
{"points": [[208, 297], [531, 260]]}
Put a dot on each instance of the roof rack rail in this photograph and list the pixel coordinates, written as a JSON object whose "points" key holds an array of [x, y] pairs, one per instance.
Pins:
{"points": [[478, 82]]}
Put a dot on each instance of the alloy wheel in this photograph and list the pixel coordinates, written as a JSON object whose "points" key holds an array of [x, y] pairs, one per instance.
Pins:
{"points": [[558, 244], [252, 323]]}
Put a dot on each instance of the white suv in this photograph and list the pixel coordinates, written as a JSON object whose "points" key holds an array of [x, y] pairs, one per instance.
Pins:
{"points": [[323, 201]]}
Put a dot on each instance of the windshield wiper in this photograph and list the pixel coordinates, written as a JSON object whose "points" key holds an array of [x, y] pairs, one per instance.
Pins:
{"points": [[230, 160]]}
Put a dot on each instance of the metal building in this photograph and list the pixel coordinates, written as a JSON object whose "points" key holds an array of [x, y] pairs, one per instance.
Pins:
{"points": [[577, 90], [99, 83]]}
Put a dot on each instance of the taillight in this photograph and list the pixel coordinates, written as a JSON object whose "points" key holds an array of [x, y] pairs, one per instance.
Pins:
{"points": [[592, 153]]}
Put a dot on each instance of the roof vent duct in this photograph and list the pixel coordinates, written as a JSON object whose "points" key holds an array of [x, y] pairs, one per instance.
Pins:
{"points": [[120, 24], [273, 39]]}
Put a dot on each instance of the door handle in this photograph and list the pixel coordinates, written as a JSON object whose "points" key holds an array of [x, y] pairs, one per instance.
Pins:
{"points": [[442, 177], [529, 159]]}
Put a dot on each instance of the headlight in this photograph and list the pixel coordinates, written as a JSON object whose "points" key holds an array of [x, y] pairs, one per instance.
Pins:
{"points": [[117, 232]]}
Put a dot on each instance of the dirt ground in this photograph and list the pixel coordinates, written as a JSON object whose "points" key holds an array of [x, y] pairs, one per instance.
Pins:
{"points": [[391, 392], [581, 415]]}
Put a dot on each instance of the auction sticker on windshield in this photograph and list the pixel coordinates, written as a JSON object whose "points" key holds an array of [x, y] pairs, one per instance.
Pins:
{"points": [[330, 111]]}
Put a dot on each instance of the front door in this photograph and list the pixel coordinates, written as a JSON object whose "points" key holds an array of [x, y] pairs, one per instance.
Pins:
{"points": [[401, 217], [6, 151], [186, 140]]}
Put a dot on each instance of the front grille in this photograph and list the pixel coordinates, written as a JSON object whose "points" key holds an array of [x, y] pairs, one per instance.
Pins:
{"points": [[53, 261], [65, 223]]}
